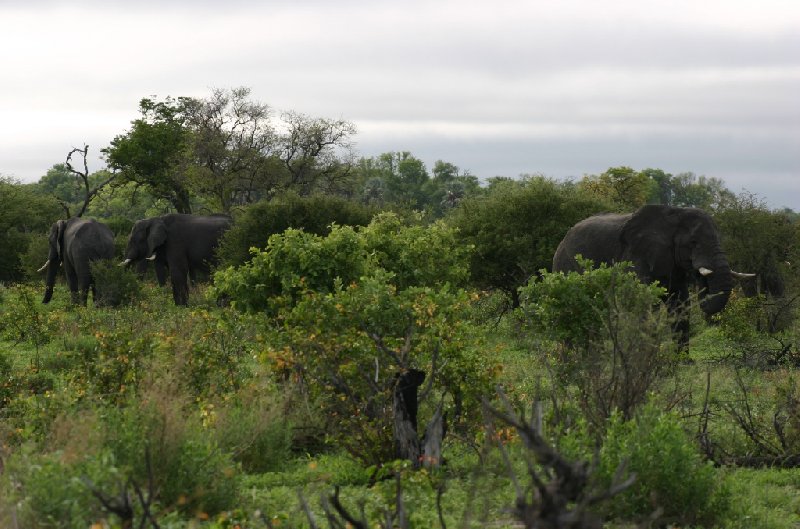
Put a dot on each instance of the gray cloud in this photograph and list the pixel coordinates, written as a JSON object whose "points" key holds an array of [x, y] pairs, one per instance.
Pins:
{"points": [[564, 88]]}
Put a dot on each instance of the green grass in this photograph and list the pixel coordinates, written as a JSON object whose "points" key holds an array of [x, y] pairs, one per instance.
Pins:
{"points": [[55, 403]]}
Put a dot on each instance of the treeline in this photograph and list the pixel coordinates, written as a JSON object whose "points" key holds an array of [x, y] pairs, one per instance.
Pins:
{"points": [[229, 153]]}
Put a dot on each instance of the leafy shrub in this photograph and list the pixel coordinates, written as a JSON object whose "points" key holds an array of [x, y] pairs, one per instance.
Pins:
{"points": [[209, 351], [253, 428], [314, 214], [296, 261], [117, 364], [417, 255], [52, 493], [7, 379], [515, 228], [24, 319], [613, 334], [114, 285], [36, 252], [670, 472], [349, 348], [163, 440], [359, 309]]}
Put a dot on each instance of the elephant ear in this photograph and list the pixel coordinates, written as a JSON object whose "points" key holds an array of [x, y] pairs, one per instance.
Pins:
{"points": [[156, 236], [648, 239]]}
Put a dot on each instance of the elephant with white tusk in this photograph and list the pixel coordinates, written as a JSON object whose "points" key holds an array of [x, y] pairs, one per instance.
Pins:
{"points": [[667, 244], [75, 243], [183, 244]]}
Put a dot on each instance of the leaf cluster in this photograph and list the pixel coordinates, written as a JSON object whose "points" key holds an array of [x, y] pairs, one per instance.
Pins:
{"points": [[515, 228]]}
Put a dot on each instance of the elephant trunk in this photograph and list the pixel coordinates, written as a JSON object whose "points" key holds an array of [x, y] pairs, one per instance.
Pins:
{"points": [[52, 270], [719, 283]]}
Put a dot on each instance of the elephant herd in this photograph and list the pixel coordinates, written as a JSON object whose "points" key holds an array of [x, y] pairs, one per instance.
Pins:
{"points": [[179, 244], [674, 246]]}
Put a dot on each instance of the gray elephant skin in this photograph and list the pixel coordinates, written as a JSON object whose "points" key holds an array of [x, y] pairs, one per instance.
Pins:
{"points": [[185, 244], [76, 242], [671, 245]]}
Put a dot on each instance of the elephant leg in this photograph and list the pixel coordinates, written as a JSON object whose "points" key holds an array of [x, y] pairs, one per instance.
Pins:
{"points": [[84, 284], [161, 271], [72, 281], [180, 289]]}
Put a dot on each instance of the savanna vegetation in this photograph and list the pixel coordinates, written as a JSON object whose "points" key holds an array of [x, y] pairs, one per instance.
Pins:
{"points": [[384, 346]]}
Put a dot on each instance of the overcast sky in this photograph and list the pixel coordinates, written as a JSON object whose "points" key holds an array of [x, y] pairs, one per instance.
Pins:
{"points": [[562, 88]]}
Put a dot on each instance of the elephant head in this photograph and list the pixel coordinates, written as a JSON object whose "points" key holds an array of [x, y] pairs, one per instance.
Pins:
{"points": [[147, 236], [672, 245], [54, 257]]}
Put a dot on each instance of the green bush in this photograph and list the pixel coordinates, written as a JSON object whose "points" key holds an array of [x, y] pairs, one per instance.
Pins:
{"points": [[189, 470], [613, 335], [254, 429], [314, 214], [670, 472], [24, 319], [52, 492], [515, 228], [115, 366], [296, 261], [382, 300], [114, 285], [8, 382]]}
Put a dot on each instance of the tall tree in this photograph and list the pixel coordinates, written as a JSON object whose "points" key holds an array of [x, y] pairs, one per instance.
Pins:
{"points": [[152, 152], [231, 146], [515, 227], [623, 187], [317, 154]]}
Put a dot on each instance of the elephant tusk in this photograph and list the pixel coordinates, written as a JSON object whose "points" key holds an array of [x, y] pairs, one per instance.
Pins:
{"points": [[152, 257], [705, 271], [125, 262], [44, 266], [741, 275]]}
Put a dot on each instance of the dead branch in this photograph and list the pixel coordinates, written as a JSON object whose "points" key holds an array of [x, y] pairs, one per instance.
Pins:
{"points": [[84, 176], [560, 493]]}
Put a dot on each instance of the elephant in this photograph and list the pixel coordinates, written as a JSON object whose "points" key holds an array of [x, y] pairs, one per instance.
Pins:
{"points": [[672, 245], [76, 242], [183, 243]]}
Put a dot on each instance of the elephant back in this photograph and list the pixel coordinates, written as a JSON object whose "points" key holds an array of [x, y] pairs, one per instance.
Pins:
{"points": [[596, 238], [91, 239]]}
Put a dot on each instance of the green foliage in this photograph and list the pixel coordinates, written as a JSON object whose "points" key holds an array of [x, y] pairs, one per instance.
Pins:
{"points": [[379, 300], [23, 212], [757, 240], [8, 385], [349, 347], [295, 261], [515, 228], [740, 319], [417, 255], [670, 473], [114, 285], [314, 214], [113, 369], [404, 177], [150, 152], [571, 307], [623, 187], [210, 352], [764, 498], [614, 335], [292, 262], [52, 492], [23, 318], [256, 432]]}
